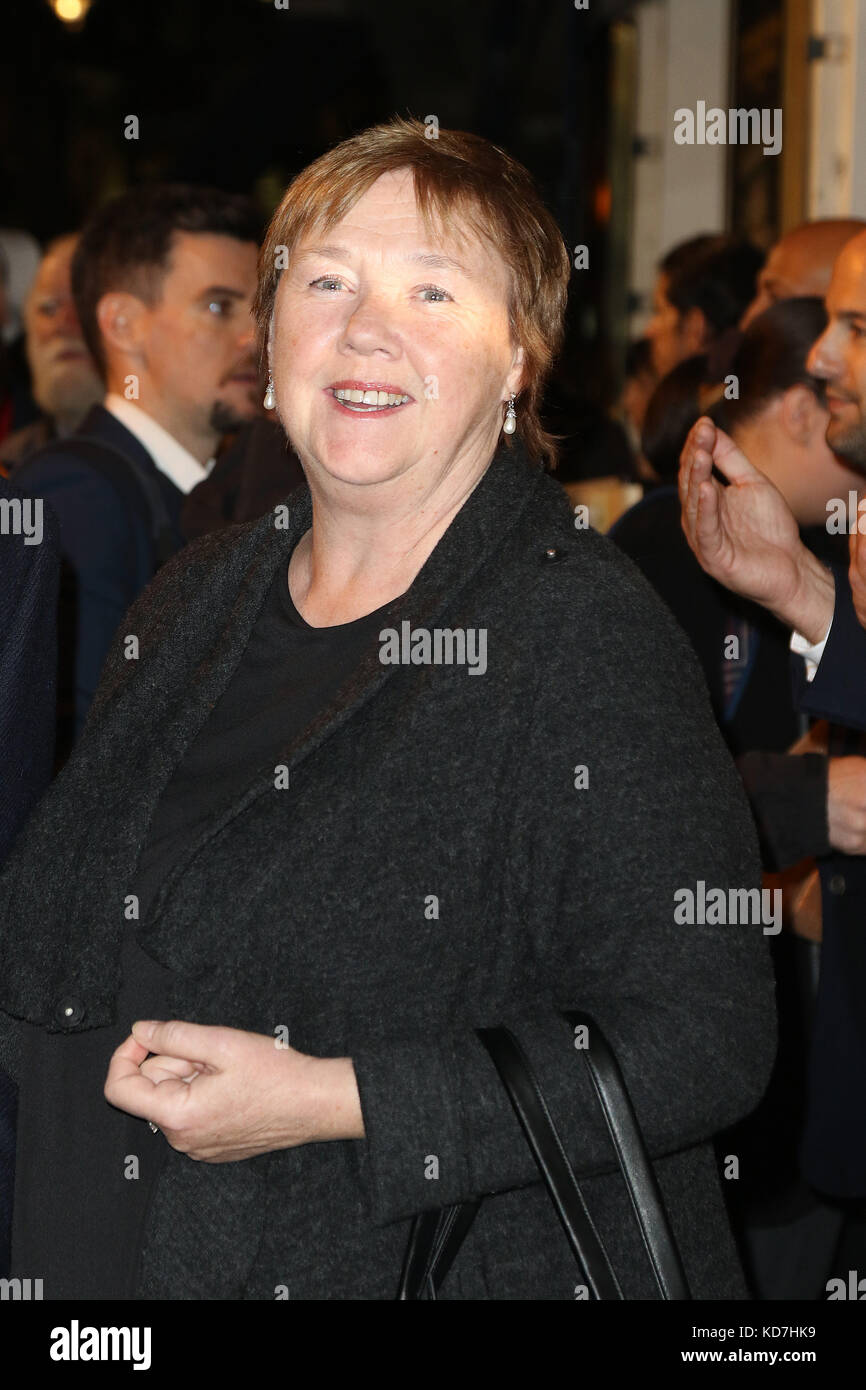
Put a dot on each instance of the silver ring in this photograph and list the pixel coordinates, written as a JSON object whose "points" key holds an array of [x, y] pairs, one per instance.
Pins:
{"points": [[154, 1127]]}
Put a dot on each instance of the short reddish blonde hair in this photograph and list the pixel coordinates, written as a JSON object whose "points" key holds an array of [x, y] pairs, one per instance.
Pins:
{"points": [[456, 176]]}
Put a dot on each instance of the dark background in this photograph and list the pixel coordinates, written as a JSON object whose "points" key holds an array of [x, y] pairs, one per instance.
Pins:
{"points": [[242, 95]]}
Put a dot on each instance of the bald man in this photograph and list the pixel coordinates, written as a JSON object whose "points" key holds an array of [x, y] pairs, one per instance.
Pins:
{"points": [[65, 382], [801, 262]]}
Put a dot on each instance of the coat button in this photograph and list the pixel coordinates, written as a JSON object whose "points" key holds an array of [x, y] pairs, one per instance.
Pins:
{"points": [[552, 553], [70, 1011], [837, 885]]}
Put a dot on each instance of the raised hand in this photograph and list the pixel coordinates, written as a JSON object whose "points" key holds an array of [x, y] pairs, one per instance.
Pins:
{"points": [[745, 535]]}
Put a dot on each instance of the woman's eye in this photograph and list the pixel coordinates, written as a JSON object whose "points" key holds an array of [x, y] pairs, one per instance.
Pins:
{"points": [[332, 283], [219, 306]]}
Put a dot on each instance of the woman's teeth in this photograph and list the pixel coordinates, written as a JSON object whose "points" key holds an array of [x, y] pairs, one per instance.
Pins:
{"points": [[369, 400]]}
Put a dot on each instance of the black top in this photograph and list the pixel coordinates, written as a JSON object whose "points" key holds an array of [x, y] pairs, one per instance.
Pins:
{"points": [[82, 1236]]}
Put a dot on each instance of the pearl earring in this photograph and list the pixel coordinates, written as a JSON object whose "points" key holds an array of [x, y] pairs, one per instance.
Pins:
{"points": [[509, 424], [270, 398]]}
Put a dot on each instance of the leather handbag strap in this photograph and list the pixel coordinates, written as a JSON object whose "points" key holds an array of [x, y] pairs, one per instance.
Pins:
{"points": [[436, 1236], [531, 1110], [440, 1232], [434, 1241], [633, 1158]]}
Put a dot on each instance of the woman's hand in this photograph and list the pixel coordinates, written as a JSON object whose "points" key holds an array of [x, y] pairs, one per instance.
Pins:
{"points": [[221, 1094]]}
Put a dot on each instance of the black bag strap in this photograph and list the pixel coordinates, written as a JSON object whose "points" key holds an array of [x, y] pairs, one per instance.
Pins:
{"points": [[434, 1240], [437, 1235], [633, 1158], [145, 495], [547, 1148]]}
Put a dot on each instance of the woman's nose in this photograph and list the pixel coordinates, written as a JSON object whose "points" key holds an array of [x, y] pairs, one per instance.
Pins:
{"points": [[371, 325]]}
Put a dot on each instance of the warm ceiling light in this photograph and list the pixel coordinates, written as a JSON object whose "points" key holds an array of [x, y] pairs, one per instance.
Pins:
{"points": [[70, 11]]}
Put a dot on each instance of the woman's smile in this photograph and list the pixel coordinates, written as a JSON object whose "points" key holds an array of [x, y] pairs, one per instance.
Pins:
{"points": [[369, 398]]}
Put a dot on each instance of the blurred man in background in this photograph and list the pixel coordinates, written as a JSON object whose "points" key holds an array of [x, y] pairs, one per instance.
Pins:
{"points": [[17, 407], [801, 262], [702, 289], [163, 279], [64, 379]]}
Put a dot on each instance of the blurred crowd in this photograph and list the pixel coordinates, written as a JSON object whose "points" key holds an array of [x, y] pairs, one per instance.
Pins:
{"points": [[765, 354]]}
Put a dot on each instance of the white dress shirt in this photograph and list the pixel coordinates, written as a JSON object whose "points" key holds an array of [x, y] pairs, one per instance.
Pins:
{"points": [[170, 457], [811, 652]]}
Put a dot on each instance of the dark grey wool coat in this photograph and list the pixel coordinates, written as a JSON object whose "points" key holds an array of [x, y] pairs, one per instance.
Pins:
{"points": [[306, 907]]}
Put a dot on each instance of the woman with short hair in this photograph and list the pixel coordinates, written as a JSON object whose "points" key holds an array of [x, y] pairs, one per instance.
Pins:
{"points": [[366, 775]]}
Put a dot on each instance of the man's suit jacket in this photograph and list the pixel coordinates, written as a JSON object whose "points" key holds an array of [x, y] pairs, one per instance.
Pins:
{"points": [[764, 714], [834, 1147], [838, 690], [106, 542]]}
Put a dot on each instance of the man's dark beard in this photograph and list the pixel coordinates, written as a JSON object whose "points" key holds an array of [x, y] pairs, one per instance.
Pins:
{"points": [[850, 447], [224, 419]]}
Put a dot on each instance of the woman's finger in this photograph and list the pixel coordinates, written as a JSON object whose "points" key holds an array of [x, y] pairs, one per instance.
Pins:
{"points": [[170, 1066], [128, 1089], [158, 1074], [206, 1044], [128, 1057]]}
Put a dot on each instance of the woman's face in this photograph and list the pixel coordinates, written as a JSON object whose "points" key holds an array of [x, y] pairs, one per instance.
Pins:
{"points": [[373, 305]]}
